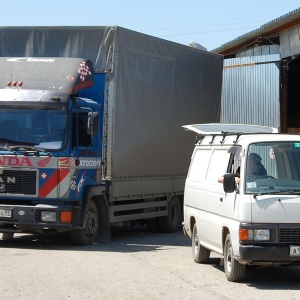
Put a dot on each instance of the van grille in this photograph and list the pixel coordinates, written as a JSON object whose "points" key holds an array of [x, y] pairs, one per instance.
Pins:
{"points": [[18, 182], [289, 235]]}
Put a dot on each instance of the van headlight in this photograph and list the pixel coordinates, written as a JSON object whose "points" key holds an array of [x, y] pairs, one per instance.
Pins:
{"points": [[254, 234], [261, 234]]}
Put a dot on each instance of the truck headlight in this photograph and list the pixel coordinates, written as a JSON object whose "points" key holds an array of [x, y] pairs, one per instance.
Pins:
{"points": [[48, 216]]}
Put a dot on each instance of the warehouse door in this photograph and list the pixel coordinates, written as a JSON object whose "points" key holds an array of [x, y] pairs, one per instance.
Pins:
{"points": [[291, 94]]}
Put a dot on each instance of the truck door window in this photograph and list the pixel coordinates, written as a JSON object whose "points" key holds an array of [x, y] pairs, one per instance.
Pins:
{"points": [[80, 136]]}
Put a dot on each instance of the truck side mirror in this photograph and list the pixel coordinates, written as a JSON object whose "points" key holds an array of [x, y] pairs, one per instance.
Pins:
{"points": [[93, 123], [229, 182]]}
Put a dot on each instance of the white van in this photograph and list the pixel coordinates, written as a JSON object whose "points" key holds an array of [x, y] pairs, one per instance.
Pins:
{"points": [[253, 217]]}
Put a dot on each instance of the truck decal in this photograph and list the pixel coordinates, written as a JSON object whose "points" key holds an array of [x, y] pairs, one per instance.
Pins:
{"points": [[13, 161], [64, 162], [84, 70], [44, 175], [52, 182], [80, 184], [44, 162]]}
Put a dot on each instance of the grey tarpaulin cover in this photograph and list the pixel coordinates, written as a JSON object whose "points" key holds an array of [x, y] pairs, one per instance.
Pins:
{"points": [[154, 87]]}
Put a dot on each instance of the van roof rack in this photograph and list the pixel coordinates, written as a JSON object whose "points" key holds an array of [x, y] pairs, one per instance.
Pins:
{"points": [[228, 129], [225, 129]]}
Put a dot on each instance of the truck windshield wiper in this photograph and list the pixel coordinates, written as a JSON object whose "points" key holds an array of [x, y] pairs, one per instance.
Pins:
{"points": [[26, 148]]}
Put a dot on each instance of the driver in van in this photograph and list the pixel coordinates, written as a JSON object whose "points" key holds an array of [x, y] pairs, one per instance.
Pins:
{"points": [[255, 168]]}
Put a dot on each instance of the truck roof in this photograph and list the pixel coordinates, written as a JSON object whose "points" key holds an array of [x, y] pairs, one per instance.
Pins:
{"points": [[65, 75]]}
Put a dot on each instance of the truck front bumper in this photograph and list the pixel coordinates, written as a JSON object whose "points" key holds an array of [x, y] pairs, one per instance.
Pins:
{"points": [[21, 218], [267, 255]]}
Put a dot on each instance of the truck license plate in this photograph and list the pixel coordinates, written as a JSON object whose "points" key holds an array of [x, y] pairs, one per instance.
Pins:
{"points": [[5, 213], [294, 250]]}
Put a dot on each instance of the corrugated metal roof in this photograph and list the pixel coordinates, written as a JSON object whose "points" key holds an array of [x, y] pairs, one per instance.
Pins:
{"points": [[272, 25]]}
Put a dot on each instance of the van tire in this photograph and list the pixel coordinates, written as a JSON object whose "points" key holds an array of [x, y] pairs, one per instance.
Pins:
{"points": [[200, 254], [234, 271], [87, 235], [173, 220]]}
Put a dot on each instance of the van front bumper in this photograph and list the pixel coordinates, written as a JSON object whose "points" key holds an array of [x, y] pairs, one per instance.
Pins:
{"points": [[265, 255]]}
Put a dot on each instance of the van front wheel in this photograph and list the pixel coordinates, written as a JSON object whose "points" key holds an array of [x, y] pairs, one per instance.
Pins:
{"points": [[200, 254], [234, 271]]}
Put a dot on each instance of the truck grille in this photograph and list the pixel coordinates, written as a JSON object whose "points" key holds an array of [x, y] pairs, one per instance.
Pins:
{"points": [[18, 182], [289, 235]]}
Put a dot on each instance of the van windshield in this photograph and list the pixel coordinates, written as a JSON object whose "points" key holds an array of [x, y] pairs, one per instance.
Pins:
{"points": [[273, 167]]}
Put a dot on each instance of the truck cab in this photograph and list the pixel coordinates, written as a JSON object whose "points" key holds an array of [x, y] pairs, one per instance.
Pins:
{"points": [[50, 144]]}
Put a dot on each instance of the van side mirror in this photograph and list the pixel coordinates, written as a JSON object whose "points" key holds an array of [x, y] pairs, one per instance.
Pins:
{"points": [[93, 123], [229, 182]]}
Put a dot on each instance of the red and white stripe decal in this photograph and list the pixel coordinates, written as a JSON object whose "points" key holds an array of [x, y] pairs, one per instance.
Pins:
{"points": [[53, 181]]}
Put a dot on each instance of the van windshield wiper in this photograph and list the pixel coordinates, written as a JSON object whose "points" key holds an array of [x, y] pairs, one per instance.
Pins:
{"points": [[282, 192]]}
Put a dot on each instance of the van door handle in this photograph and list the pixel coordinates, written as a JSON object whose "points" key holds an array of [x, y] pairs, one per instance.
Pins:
{"points": [[221, 199]]}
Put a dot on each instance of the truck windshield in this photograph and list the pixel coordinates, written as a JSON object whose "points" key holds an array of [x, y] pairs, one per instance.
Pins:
{"points": [[40, 127], [273, 168]]}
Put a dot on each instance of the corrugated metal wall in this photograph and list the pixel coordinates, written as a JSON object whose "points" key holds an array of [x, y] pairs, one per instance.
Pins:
{"points": [[251, 90], [259, 50], [290, 41]]}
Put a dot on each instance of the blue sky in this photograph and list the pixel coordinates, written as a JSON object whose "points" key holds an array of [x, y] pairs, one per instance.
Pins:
{"points": [[209, 23]]}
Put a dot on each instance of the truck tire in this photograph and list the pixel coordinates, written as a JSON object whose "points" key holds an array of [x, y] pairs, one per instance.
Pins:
{"points": [[173, 220], [87, 235], [200, 254], [234, 271]]}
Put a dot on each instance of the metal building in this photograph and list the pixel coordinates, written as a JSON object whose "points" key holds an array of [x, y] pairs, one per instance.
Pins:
{"points": [[260, 75]]}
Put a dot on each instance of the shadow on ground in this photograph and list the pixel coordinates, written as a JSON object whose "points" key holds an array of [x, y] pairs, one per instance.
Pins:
{"points": [[133, 239]]}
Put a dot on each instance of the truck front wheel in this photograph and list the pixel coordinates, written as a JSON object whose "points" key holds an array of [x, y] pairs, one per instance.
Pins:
{"points": [[87, 235]]}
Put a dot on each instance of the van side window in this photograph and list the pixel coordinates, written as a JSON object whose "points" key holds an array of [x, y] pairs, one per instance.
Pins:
{"points": [[218, 165], [234, 164], [198, 168]]}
